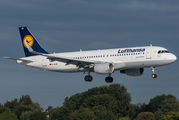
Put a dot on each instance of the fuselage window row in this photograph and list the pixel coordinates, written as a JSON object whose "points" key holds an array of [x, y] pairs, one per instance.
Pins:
{"points": [[113, 55]]}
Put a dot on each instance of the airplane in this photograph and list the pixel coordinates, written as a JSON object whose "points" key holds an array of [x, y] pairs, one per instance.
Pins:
{"points": [[130, 61]]}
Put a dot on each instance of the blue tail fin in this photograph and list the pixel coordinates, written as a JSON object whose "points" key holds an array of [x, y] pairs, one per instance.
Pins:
{"points": [[26, 35]]}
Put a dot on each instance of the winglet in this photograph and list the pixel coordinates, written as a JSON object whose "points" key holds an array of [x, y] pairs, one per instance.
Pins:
{"points": [[31, 50]]}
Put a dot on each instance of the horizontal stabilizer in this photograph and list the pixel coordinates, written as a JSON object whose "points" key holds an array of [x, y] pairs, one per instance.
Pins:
{"points": [[18, 59]]}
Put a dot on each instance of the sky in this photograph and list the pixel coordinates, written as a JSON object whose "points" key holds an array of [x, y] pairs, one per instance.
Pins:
{"points": [[71, 25]]}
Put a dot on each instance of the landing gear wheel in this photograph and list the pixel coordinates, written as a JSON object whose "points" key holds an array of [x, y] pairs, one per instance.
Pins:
{"points": [[153, 72], [88, 78], [109, 79], [154, 75]]}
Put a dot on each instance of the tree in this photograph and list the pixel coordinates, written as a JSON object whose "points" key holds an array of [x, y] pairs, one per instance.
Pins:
{"points": [[33, 115], [1, 105], [147, 107], [8, 115], [36, 106], [170, 105], [11, 104], [106, 115], [101, 113], [145, 116], [25, 115], [82, 114], [124, 118], [20, 109], [23, 109], [96, 96], [157, 101], [109, 102], [53, 113], [49, 108], [134, 111], [171, 116], [25, 100], [37, 115], [74, 102], [3, 109]]}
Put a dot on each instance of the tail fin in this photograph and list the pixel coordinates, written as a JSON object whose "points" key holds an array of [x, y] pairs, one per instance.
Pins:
{"points": [[27, 36]]}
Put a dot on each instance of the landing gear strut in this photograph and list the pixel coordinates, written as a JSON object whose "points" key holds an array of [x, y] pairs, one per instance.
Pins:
{"points": [[109, 79], [88, 78], [153, 72]]}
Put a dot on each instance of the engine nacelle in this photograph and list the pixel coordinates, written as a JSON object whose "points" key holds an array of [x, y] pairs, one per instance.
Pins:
{"points": [[133, 72], [104, 68]]}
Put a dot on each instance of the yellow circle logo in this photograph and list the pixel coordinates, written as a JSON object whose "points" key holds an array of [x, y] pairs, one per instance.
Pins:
{"points": [[29, 40]]}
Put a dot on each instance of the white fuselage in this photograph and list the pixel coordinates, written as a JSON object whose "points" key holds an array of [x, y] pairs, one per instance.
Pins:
{"points": [[122, 58]]}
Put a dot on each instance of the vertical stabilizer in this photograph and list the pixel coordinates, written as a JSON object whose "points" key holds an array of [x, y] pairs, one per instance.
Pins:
{"points": [[27, 36]]}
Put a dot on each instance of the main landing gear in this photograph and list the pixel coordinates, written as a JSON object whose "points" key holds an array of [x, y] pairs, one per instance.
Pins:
{"points": [[153, 72], [88, 78], [109, 79]]}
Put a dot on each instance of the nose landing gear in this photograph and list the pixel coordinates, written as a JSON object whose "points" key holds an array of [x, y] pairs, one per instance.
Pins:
{"points": [[153, 72]]}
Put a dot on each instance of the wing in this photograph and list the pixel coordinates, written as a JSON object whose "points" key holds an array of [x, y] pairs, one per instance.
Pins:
{"points": [[67, 60]]}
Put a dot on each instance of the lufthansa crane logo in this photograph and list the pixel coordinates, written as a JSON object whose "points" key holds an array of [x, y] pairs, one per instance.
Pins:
{"points": [[29, 40]]}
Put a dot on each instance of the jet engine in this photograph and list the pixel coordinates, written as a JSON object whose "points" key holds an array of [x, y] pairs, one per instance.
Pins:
{"points": [[133, 72], [104, 68]]}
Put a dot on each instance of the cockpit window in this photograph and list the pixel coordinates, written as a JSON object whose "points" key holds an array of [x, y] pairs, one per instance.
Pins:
{"points": [[162, 51]]}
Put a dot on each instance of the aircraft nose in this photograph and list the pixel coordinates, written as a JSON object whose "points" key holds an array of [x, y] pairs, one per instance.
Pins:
{"points": [[173, 58]]}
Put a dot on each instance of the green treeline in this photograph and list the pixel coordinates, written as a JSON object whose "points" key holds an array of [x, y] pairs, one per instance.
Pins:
{"points": [[22, 109], [111, 102]]}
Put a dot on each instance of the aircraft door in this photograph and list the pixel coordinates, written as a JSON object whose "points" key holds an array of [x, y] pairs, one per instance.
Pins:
{"points": [[44, 62], [149, 53]]}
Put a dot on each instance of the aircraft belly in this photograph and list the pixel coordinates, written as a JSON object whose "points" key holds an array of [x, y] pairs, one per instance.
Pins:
{"points": [[62, 67], [53, 66], [119, 65], [141, 64]]}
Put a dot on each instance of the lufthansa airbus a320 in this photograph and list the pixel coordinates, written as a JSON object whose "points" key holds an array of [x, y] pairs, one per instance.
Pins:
{"points": [[130, 61]]}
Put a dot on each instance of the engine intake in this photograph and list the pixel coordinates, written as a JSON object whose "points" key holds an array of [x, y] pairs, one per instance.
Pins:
{"points": [[133, 72], [104, 68]]}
